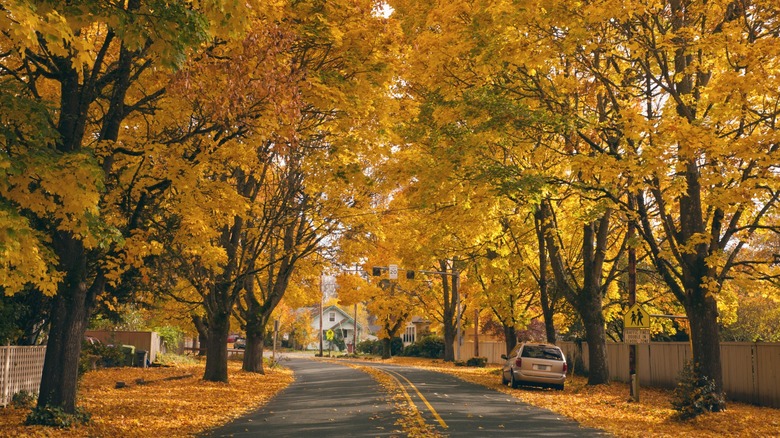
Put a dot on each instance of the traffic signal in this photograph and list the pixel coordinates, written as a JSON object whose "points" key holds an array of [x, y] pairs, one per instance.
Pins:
{"points": [[376, 271], [410, 274]]}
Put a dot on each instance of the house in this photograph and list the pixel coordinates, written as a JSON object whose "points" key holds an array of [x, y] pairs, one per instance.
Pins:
{"points": [[338, 320], [415, 329]]}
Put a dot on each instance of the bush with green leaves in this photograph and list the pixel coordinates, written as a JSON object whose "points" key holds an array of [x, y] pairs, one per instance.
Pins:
{"points": [[100, 355], [696, 394], [478, 362], [369, 346], [428, 346], [23, 399], [172, 359], [56, 417], [171, 336]]}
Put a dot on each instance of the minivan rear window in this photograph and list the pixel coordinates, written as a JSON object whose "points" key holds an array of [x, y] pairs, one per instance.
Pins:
{"points": [[542, 352]]}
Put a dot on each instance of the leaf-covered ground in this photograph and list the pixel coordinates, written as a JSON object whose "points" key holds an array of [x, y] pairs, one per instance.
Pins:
{"points": [[607, 407], [184, 407], [160, 408]]}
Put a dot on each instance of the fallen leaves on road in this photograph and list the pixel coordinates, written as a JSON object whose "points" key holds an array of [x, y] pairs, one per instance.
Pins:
{"points": [[411, 421], [607, 407], [169, 408]]}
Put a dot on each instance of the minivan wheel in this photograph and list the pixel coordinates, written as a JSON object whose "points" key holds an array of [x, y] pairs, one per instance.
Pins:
{"points": [[504, 380], [513, 383]]}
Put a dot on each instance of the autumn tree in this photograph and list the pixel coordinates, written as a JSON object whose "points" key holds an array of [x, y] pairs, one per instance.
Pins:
{"points": [[77, 69]]}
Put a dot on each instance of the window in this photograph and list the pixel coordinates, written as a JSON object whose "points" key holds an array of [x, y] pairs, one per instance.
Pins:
{"points": [[542, 352], [409, 334], [332, 317]]}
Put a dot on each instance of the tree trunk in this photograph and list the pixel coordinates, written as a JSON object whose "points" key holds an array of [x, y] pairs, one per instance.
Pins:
{"points": [[541, 222], [216, 344], [449, 310], [386, 348], [702, 312], [587, 299], [70, 314], [255, 339], [60, 367], [510, 337], [596, 336], [201, 325]]}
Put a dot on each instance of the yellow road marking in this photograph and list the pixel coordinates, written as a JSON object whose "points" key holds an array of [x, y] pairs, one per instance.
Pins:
{"points": [[419, 394], [412, 405]]}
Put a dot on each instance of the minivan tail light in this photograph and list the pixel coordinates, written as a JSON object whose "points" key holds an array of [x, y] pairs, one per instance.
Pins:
{"points": [[519, 362], [565, 367]]}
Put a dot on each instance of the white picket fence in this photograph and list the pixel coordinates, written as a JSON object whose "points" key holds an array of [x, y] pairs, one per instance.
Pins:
{"points": [[20, 370]]}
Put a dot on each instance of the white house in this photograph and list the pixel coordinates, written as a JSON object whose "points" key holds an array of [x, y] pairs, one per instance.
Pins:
{"points": [[335, 318]]}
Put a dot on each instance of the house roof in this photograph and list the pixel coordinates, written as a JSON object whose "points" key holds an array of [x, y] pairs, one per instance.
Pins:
{"points": [[316, 314]]}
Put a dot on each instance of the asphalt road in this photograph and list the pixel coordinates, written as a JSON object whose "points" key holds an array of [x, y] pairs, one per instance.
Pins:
{"points": [[332, 400]]}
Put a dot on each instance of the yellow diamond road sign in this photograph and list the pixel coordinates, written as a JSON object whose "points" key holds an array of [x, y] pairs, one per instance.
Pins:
{"points": [[636, 317], [329, 335]]}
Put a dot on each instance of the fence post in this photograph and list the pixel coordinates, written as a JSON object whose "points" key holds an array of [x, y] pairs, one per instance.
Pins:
{"points": [[7, 374]]}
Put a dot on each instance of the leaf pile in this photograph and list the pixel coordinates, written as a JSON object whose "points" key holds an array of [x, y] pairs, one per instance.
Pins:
{"points": [[170, 408], [607, 407]]}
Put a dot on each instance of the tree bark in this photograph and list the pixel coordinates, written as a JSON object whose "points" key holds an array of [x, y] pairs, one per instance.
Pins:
{"points": [[216, 345], [587, 299], [450, 309], [201, 325], [510, 337], [255, 339], [541, 225], [70, 314]]}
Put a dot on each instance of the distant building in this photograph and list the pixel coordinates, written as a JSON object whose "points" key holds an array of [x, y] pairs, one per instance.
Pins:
{"points": [[335, 318], [415, 329]]}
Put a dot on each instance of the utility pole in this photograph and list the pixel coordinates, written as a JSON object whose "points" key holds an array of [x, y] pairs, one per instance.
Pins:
{"points": [[456, 291], [354, 332], [321, 315], [633, 363], [476, 332]]}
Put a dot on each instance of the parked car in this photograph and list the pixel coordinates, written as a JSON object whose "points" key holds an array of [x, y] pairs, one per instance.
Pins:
{"points": [[240, 343], [232, 338], [536, 365]]}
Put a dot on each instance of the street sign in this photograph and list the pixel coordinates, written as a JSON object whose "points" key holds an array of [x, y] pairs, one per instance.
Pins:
{"points": [[329, 335], [393, 272], [636, 317], [636, 336]]}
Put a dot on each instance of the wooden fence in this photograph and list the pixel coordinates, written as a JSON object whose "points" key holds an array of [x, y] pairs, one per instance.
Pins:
{"points": [[748, 368], [20, 370]]}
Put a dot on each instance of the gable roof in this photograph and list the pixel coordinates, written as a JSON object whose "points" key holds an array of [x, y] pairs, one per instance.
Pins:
{"points": [[316, 314]]}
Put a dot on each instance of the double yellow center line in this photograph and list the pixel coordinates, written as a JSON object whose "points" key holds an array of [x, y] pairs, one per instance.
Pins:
{"points": [[395, 376]]}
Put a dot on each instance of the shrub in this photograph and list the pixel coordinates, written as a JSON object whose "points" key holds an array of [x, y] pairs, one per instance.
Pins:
{"points": [[23, 399], [100, 355], [428, 346], [369, 347], [56, 417], [479, 362], [375, 346], [170, 359], [695, 394]]}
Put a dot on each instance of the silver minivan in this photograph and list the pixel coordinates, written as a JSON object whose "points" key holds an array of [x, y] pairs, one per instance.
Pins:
{"points": [[535, 364]]}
